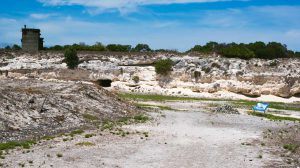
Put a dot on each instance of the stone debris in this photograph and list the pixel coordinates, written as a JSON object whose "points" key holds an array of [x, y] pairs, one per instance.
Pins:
{"points": [[226, 109]]}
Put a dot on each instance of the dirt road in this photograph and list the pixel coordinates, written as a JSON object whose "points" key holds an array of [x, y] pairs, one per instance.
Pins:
{"points": [[173, 139]]}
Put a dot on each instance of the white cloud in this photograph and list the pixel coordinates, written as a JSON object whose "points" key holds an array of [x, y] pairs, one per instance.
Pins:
{"points": [[121, 5], [263, 17], [293, 34], [41, 15]]}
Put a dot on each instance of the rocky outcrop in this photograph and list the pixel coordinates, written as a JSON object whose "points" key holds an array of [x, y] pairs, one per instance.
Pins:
{"points": [[251, 78]]}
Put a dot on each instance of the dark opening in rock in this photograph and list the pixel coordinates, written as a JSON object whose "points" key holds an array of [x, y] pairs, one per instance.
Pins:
{"points": [[104, 82], [297, 95]]}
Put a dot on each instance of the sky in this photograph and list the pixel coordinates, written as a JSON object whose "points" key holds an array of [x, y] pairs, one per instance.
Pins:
{"points": [[168, 24]]}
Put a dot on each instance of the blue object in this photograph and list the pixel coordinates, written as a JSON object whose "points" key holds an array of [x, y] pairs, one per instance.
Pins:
{"points": [[261, 107]]}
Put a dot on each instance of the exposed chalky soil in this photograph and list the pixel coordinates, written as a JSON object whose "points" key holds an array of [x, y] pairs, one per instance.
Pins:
{"points": [[285, 144], [189, 138], [34, 108]]}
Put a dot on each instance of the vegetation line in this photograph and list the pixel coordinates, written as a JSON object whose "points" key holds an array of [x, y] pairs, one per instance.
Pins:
{"points": [[249, 104], [151, 105], [273, 117]]}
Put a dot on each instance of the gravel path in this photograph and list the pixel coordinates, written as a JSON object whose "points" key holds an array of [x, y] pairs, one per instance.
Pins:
{"points": [[175, 139]]}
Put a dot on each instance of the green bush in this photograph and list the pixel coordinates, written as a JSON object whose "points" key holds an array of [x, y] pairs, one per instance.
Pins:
{"points": [[271, 50], [71, 58], [142, 48], [164, 66], [207, 48], [16, 47], [237, 51], [118, 47]]}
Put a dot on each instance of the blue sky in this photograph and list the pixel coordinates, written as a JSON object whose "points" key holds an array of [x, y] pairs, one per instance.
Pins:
{"points": [[170, 24]]}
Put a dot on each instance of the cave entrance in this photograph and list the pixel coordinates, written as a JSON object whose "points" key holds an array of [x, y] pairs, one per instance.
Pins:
{"points": [[104, 82]]}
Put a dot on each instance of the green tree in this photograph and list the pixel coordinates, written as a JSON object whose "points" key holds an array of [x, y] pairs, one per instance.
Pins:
{"points": [[98, 47], [164, 66], [56, 48], [207, 48], [71, 58], [7, 47], [16, 47], [297, 54], [118, 47], [237, 51], [256, 46], [142, 48]]}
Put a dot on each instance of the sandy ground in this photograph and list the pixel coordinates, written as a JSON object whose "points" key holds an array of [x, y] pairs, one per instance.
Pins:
{"points": [[190, 138]]}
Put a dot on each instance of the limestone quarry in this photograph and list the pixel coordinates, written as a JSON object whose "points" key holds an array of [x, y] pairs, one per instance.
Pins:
{"points": [[192, 75], [199, 115]]}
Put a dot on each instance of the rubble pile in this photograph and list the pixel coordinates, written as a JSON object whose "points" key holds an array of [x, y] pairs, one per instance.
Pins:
{"points": [[226, 109]]}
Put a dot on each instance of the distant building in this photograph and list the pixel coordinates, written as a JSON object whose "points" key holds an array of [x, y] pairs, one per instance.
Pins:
{"points": [[31, 39]]}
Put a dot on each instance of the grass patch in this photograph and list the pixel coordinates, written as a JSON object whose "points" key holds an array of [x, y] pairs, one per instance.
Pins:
{"points": [[141, 118], [110, 125], [85, 144], [153, 97], [66, 139], [76, 132], [273, 117], [90, 117], [89, 135], [48, 138], [14, 144], [249, 104], [150, 106], [21, 164], [290, 147], [274, 105]]}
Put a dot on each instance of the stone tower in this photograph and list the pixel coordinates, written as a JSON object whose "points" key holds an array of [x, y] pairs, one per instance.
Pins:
{"points": [[31, 39]]}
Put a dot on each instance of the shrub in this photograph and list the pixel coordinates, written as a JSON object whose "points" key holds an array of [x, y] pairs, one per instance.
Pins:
{"points": [[7, 48], [73, 133], [206, 69], [257, 49], [118, 47], [14, 144], [71, 58], [274, 63], [290, 147], [197, 74], [16, 47], [89, 135], [141, 118], [163, 67], [237, 51], [90, 117], [85, 144], [207, 48], [142, 48], [215, 65], [59, 155]]}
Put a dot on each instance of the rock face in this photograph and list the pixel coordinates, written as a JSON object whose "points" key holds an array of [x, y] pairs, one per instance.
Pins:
{"points": [[34, 107], [194, 74]]}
